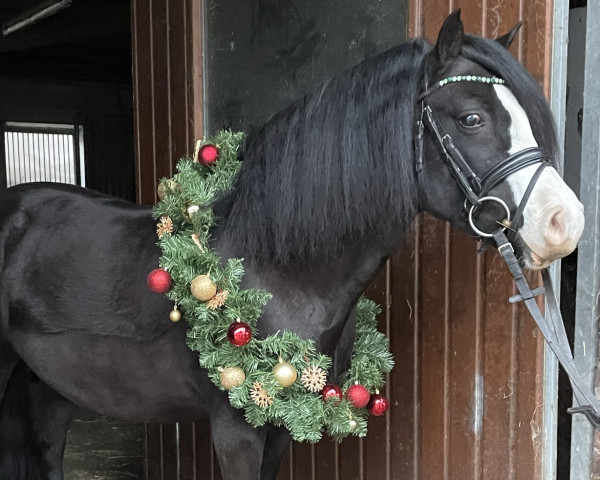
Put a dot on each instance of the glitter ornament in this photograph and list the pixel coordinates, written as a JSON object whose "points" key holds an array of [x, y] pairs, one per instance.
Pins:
{"points": [[239, 333], [208, 155], [358, 395], [285, 374], [203, 288], [165, 187], [231, 377], [159, 280], [332, 393]]}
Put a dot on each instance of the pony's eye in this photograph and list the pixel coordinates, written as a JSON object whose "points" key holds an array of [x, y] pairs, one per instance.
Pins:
{"points": [[470, 120]]}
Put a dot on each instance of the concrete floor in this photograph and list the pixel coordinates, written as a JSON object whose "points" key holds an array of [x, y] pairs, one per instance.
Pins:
{"points": [[102, 448]]}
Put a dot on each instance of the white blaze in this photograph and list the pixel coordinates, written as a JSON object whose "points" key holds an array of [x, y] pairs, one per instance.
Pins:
{"points": [[553, 216], [521, 135]]}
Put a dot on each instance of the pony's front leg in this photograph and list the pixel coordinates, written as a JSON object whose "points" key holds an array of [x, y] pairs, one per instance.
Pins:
{"points": [[51, 414], [276, 447], [239, 446], [33, 427]]}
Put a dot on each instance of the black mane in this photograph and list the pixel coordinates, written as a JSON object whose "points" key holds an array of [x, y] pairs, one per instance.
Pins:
{"points": [[335, 167]]}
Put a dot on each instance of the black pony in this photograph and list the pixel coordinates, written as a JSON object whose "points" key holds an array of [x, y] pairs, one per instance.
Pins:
{"points": [[327, 189]]}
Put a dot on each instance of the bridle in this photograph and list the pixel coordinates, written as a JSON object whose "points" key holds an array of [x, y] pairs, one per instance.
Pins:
{"points": [[477, 190]]}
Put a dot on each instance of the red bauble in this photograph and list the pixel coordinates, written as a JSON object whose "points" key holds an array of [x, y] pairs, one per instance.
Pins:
{"points": [[159, 280], [208, 155], [358, 395], [378, 404], [332, 393], [239, 334]]}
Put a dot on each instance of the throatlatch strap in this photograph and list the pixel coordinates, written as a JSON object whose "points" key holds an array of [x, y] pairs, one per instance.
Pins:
{"points": [[552, 327]]}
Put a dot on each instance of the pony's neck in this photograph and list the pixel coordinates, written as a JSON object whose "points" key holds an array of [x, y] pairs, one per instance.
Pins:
{"points": [[346, 276], [315, 299]]}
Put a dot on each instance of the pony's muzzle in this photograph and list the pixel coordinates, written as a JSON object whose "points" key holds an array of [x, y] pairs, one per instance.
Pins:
{"points": [[563, 230], [553, 220]]}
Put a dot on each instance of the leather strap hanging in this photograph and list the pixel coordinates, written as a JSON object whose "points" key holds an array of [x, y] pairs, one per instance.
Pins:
{"points": [[552, 327]]}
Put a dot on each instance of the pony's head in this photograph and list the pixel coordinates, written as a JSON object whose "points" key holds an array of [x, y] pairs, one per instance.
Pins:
{"points": [[486, 148]]}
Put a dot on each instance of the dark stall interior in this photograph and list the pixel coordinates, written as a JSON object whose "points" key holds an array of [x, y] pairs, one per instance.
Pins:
{"points": [[73, 67], [69, 62]]}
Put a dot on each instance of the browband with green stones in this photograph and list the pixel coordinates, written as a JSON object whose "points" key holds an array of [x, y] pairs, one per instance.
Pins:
{"points": [[461, 78]]}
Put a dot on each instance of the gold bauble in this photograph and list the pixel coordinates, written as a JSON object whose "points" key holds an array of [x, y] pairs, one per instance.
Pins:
{"points": [[189, 211], [285, 373], [231, 377], [353, 424], [203, 288], [165, 187], [175, 315]]}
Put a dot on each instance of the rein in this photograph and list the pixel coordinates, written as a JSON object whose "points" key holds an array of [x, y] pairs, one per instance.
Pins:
{"points": [[552, 327], [476, 192]]}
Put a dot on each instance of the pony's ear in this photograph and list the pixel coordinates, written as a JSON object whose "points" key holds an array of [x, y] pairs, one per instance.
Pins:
{"points": [[506, 40], [449, 43]]}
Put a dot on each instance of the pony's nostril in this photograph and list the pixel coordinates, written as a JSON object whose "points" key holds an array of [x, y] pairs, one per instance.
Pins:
{"points": [[558, 229], [556, 226]]}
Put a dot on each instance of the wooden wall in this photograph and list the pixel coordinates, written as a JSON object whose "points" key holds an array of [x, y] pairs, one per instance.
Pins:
{"points": [[466, 391], [486, 347], [167, 87], [168, 117]]}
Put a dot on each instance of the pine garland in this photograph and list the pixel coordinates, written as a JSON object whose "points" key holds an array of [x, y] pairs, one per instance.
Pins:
{"points": [[186, 219]]}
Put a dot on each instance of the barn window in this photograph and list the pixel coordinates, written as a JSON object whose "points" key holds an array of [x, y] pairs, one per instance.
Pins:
{"points": [[42, 152]]}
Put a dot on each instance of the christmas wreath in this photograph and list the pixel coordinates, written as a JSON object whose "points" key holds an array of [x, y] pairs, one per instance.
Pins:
{"points": [[260, 374]]}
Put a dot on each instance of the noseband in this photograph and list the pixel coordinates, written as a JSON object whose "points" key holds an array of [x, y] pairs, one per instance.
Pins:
{"points": [[476, 191]]}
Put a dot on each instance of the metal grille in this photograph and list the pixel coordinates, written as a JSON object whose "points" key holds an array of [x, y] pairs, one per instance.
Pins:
{"points": [[42, 153]]}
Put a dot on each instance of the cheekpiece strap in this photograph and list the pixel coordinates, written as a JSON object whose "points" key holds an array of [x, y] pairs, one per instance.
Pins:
{"points": [[467, 179]]}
